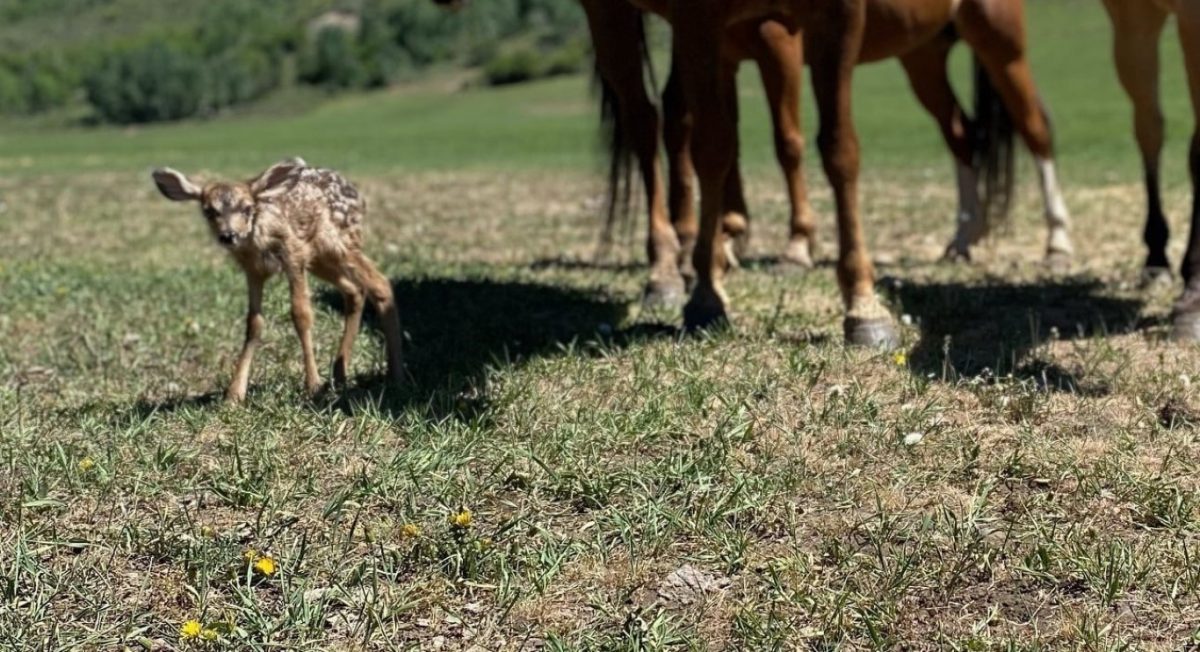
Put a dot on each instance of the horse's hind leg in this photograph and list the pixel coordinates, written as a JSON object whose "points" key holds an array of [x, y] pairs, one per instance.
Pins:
{"points": [[926, 69], [735, 215], [996, 32], [1187, 309], [620, 64], [781, 65], [677, 136], [1137, 28]]}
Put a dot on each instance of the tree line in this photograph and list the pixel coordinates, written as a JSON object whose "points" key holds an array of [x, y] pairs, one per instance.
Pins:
{"points": [[235, 52]]}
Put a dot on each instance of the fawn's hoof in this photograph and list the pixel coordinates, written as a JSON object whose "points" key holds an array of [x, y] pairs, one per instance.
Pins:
{"points": [[873, 333], [705, 310], [338, 374]]}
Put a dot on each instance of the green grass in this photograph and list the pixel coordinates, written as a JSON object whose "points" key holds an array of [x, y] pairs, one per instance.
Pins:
{"points": [[1023, 478], [551, 125]]}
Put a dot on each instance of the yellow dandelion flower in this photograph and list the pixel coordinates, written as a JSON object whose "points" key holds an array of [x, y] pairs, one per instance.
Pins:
{"points": [[900, 358], [209, 634], [410, 531], [207, 532], [190, 629], [462, 519], [265, 566], [87, 464]]}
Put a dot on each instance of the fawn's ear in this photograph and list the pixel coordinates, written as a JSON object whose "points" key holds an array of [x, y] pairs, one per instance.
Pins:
{"points": [[174, 186], [277, 178]]}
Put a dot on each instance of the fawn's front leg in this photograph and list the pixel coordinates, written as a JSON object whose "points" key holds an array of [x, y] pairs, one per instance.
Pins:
{"points": [[254, 324], [302, 319]]}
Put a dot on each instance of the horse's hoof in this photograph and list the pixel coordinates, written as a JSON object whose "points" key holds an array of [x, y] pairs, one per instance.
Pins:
{"points": [[798, 255], [1057, 262], [956, 254], [1155, 277], [1185, 326], [873, 333], [663, 295], [705, 311]]}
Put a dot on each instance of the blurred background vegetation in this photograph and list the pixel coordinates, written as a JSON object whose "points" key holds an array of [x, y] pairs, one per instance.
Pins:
{"points": [[141, 61]]}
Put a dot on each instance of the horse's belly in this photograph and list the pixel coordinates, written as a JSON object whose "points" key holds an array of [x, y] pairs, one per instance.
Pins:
{"points": [[896, 26]]}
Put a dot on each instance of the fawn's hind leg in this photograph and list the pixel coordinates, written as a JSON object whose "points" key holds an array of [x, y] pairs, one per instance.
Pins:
{"points": [[352, 294], [254, 324], [302, 318], [379, 290]]}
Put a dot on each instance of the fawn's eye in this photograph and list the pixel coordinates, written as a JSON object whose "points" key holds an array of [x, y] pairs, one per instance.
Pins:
{"points": [[211, 213]]}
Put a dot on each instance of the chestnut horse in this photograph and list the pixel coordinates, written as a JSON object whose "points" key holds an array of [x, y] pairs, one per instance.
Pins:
{"points": [[833, 32], [982, 146], [894, 28], [1137, 28]]}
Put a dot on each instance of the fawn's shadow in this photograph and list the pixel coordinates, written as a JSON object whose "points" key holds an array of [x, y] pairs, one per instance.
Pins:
{"points": [[456, 329], [971, 330]]}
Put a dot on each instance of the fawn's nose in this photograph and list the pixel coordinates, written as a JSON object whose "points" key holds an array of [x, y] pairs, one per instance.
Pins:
{"points": [[227, 237]]}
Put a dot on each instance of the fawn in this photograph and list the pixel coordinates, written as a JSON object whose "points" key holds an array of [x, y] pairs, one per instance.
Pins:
{"points": [[294, 219]]}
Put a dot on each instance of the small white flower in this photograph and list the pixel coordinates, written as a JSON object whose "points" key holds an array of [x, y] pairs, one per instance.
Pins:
{"points": [[913, 438]]}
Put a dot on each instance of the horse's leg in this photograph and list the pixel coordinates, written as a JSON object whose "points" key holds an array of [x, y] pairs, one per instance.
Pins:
{"points": [[781, 65], [1137, 29], [735, 217], [996, 32], [926, 69], [619, 62], [1187, 308], [698, 31], [677, 135], [833, 52]]}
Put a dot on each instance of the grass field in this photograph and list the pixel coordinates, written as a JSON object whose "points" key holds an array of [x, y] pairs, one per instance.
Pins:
{"points": [[565, 471]]}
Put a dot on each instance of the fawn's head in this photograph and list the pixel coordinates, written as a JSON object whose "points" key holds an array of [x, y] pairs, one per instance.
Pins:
{"points": [[229, 208]]}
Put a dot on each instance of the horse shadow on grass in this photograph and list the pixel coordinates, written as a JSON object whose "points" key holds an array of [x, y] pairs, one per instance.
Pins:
{"points": [[974, 330], [457, 329]]}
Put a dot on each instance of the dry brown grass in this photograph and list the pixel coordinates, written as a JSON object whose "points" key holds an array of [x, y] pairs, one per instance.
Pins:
{"points": [[1051, 501]]}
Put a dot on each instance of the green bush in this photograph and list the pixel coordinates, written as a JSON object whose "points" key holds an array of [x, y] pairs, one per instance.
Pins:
{"points": [[12, 94], [332, 60], [240, 75], [152, 83], [44, 89], [513, 68], [571, 58]]}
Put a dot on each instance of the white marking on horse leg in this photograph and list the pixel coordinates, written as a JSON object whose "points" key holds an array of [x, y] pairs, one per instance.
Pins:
{"points": [[971, 227], [1058, 218]]}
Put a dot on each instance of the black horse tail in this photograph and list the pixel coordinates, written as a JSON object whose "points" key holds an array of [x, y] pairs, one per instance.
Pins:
{"points": [[993, 147], [617, 139]]}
